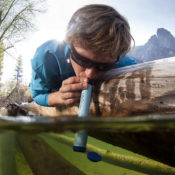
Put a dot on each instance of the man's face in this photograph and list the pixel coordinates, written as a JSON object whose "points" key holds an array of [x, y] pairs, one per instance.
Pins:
{"points": [[86, 64]]}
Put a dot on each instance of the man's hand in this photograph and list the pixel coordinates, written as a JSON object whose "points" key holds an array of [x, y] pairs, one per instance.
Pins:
{"points": [[70, 91]]}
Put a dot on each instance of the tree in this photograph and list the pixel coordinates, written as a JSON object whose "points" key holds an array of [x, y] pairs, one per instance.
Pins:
{"points": [[1, 59], [18, 70], [16, 18]]}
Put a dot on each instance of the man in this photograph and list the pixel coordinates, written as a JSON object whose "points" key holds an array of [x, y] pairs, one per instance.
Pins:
{"points": [[97, 40]]}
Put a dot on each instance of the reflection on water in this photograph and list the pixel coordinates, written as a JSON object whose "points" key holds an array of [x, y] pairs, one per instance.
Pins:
{"points": [[43, 146]]}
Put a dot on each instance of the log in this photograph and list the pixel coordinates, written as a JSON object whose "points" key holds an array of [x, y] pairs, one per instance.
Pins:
{"points": [[138, 89]]}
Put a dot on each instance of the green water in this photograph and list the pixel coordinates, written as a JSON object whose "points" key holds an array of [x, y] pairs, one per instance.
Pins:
{"points": [[49, 153], [43, 146], [80, 159]]}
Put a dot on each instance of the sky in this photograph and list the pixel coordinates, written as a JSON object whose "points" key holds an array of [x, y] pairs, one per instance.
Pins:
{"points": [[144, 17]]}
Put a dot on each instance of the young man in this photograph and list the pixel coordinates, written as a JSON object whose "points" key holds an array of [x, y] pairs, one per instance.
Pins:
{"points": [[97, 40]]}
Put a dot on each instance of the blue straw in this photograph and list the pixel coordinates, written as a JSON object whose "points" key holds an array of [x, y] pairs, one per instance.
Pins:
{"points": [[81, 136]]}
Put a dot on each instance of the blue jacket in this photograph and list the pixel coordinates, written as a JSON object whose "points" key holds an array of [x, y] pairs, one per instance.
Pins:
{"points": [[50, 66]]}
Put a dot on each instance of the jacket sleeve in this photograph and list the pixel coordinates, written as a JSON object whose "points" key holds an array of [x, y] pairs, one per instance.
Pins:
{"points": [[45, 76], [38, 87]]}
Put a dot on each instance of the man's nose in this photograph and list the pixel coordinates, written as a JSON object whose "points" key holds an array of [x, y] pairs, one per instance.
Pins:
{"points": [[90, 72]]}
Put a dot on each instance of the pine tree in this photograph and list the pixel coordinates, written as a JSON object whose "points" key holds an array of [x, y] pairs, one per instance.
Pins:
{"points": [[18, 70], [1, 59]]}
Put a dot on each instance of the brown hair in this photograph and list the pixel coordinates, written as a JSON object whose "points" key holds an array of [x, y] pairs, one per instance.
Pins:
{"points": [[101, 29]]}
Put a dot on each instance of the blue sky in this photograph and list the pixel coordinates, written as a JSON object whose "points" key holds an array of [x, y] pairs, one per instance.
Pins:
{"points": [[144, 17]]}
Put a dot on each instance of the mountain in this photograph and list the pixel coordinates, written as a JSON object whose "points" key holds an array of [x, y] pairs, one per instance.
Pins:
{"points": [[160, 45]]}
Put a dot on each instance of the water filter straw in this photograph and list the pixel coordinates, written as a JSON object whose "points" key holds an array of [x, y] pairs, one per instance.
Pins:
{"points": [[81, 136], [83, 110]]}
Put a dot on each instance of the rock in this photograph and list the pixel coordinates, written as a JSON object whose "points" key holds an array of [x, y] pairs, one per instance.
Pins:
{"points": [[15, 110]]}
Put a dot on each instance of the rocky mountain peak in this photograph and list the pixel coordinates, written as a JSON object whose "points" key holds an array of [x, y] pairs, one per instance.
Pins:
{"points": [[160, 45], [163, 32], [165, 38]]}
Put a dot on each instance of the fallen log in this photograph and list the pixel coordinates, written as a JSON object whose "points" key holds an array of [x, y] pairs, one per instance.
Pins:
{"points": [[139, 89]]}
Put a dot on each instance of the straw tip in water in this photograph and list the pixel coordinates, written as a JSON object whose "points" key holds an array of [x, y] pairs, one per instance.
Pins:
{"points": [[79, 148]]}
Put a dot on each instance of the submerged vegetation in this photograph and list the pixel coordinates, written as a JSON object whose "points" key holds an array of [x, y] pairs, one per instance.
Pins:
{"points": [[50, 153]]}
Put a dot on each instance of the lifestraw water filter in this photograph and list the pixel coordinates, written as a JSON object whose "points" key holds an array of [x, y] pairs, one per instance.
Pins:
{"points": [[81, 136]]}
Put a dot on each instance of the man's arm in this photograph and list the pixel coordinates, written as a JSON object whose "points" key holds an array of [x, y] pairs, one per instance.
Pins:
{"points": [[39, 90], [41, 99], [70, 91]]}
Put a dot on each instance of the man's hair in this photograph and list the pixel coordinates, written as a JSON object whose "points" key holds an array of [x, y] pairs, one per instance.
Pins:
{"points": [[101, 29]]}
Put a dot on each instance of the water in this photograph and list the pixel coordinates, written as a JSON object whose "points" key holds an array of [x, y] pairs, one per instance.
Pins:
{"points": [[129, 145]]}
